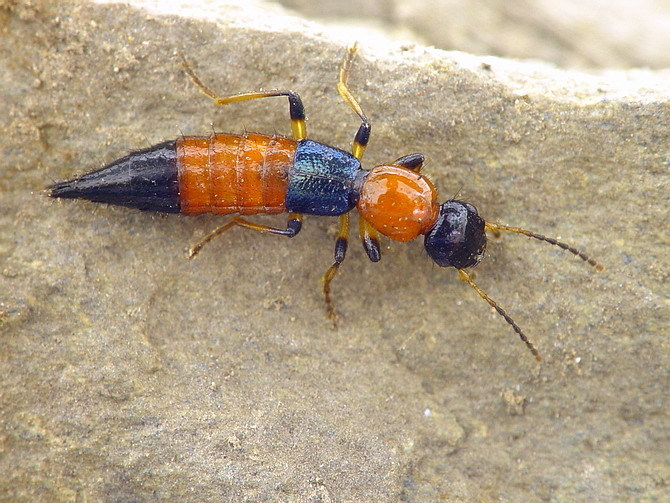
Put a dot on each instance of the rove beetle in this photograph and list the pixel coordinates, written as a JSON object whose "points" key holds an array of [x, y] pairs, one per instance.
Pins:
{"points": [[254, 173]]}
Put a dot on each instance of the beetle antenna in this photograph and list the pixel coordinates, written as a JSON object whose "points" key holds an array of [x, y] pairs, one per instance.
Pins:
{"points": [[500, 227], [464, 276]]}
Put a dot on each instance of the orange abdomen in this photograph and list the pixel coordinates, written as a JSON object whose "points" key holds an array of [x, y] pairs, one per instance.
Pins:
{"points": [[227, 173]]}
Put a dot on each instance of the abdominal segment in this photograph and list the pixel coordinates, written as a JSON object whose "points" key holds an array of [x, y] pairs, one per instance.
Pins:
{"points": [[227, 173]]}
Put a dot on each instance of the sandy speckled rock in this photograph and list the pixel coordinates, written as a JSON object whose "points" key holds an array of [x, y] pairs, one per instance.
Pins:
{"points": [[129, 373]]}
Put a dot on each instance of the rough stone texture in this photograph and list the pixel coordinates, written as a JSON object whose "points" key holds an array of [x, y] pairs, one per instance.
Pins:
{"points": [[129, 373]]}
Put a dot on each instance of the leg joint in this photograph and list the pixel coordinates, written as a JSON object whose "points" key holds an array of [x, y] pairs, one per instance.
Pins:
{"points": [[363, 134], [293, 227], [296, 108], [410, 161], [341, 245]]}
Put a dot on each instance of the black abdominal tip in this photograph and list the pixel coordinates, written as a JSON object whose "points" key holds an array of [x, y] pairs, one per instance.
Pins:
{"points": [[63, 189]]}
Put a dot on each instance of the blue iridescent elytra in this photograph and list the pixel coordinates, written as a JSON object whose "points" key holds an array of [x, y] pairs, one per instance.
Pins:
{"points": [[322, 181]]}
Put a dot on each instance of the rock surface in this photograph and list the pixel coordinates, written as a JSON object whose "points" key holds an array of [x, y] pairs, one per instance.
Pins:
{"points": [[129, 373]]}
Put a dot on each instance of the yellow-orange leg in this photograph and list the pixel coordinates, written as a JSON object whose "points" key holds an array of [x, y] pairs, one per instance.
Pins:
{"points": [[341, 244], [292, 228], [464, 276], [363, 134], [296, 108], [369, 235]]}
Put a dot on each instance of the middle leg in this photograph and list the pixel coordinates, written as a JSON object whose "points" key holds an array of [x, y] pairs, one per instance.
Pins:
{"points": [[341, 244], [363, 134], [369, 235]]}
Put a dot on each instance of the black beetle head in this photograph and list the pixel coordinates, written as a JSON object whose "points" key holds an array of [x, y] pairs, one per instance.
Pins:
{"points": [[457, 239]]}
